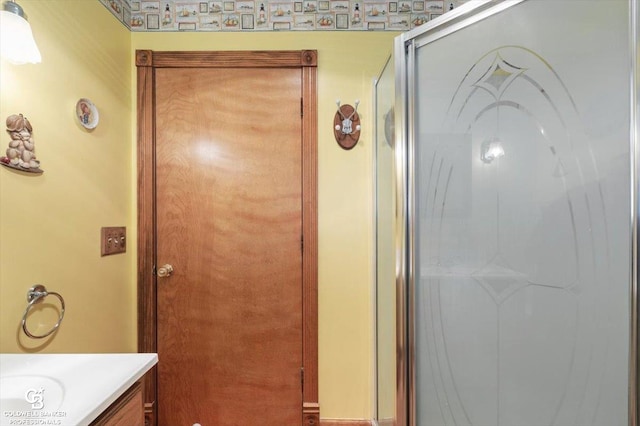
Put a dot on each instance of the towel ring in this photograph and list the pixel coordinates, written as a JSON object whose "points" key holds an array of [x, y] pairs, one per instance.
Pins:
{"points": [[35, 295]]}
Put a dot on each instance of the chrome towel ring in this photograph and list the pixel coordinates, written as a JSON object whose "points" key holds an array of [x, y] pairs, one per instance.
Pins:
{"points": [[35, 295]]}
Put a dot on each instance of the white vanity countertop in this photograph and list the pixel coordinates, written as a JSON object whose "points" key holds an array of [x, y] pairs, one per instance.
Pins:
{"points": [[76, 387]]}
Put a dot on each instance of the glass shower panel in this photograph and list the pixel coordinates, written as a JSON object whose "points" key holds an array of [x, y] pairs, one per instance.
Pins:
{"points": [[522, 218], [385, 246]]}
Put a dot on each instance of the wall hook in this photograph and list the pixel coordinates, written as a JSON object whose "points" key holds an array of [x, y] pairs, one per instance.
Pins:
{"points": [[346, 125]]}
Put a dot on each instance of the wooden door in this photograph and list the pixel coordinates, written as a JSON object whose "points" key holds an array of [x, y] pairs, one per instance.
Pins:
{"points": [[230, 219]]}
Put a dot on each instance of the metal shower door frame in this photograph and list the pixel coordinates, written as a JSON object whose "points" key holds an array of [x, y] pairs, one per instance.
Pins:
{"points": [[405, 46]]}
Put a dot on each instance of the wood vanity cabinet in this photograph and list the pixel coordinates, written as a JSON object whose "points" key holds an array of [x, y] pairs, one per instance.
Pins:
{"points": [[128, 410]]}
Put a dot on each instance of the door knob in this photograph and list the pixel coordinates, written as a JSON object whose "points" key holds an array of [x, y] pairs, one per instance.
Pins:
{"points": [[165, 271]]}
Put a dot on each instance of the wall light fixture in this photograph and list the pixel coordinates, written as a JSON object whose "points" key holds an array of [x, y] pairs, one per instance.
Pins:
{"points": [[17, 44]]}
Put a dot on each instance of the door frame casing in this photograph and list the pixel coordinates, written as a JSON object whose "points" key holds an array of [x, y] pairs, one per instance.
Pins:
{"points": [[147, 61]]}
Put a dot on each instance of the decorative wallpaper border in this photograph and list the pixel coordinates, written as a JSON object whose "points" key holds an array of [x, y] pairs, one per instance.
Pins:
{"points": [[277, 15]]}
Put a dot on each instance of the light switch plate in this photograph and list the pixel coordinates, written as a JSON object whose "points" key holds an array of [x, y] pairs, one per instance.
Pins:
{"points": [[113, 240]]}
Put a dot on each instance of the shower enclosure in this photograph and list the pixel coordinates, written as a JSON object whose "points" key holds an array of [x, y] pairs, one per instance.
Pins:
{"points": [[385, 226], [517, 215]]}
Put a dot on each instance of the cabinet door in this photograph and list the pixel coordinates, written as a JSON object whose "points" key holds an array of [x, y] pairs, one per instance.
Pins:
{"points": [[126, 411]]}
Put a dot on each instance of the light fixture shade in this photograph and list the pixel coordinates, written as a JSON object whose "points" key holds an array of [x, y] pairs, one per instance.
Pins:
{"points": [[17, 44]]}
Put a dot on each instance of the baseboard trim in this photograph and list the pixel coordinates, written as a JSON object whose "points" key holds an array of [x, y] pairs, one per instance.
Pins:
{"points": [[344, 422]]}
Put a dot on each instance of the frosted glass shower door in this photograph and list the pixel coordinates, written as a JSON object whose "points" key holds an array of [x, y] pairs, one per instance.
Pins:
{"points": [[521, 279], [385, 225]]}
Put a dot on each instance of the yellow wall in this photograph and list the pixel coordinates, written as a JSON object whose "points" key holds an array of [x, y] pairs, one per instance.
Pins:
{"points": [[49, 225]]}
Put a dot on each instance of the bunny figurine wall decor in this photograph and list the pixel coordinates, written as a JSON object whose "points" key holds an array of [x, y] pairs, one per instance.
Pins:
{"points": [[21, 153]]}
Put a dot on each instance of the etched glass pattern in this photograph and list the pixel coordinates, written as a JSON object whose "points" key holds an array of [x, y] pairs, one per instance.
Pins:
{"points": [[522, 219]]}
